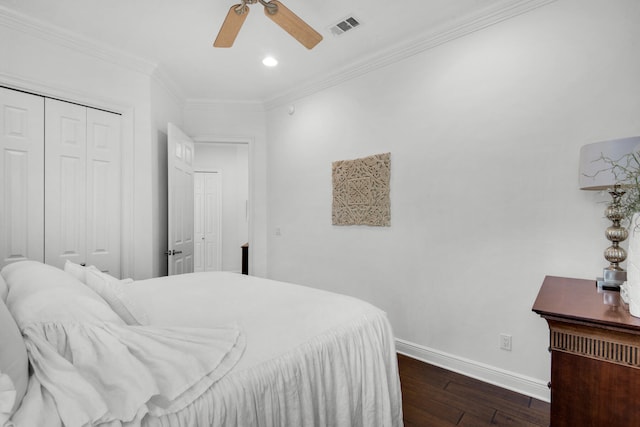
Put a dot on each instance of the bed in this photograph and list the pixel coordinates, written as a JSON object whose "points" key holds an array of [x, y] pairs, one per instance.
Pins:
{"points": [[201, 349]]}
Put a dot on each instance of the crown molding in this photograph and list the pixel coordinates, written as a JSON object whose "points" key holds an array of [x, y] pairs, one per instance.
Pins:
{"points": [[222, 139], [43, 30], [452, 30]]}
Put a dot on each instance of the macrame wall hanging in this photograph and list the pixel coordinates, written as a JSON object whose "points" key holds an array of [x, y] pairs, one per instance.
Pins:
{"points": [[361, 191]]}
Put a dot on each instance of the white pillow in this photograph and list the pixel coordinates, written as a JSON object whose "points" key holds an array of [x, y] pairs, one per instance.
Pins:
{"points": [[40, 293], [112, 291], [13, 362], [76, 270]]}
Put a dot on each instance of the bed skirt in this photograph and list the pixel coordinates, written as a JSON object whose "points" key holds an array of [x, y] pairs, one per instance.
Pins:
{"points": [[347, 377]]}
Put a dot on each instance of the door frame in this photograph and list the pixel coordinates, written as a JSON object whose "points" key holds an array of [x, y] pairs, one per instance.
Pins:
{"points": [[249, 141], [219, 213]]}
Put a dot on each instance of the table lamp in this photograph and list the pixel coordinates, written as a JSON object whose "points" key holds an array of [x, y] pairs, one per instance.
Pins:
{"points": [[596, 174]]}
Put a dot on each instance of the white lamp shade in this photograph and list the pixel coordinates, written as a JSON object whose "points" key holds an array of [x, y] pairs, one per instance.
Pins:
{"points": [[595, 173]]}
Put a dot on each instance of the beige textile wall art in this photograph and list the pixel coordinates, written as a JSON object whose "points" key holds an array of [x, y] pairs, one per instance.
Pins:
{"points": [[361, 191]]}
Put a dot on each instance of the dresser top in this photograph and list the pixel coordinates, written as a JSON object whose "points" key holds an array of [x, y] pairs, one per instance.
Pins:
{"points": [[579, 300]]}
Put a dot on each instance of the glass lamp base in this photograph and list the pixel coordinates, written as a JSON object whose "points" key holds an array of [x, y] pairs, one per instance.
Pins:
{"points": [[612, 279]]}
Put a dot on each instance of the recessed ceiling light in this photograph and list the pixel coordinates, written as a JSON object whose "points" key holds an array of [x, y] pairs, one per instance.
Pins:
{"points": [[270, 61]]}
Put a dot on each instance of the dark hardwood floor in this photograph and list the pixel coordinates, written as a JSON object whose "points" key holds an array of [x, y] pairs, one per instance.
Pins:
{"points": [[435, 397]]}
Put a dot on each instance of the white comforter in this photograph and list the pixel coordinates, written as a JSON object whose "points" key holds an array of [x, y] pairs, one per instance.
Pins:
{"points": [[312, 358]]}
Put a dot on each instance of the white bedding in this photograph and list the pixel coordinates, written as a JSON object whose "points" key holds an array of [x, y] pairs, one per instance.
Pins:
{"points": [[312, 358], [97, 369]]}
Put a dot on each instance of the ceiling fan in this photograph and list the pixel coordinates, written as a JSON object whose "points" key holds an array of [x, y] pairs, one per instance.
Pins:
{"points": [[277, 12]]}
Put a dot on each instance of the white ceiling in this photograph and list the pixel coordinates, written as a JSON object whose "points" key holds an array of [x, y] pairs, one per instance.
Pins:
{"points": [[178, 35]]}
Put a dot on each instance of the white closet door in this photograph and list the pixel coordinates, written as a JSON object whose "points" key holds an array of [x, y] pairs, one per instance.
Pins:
{"points": [[103, 191], [207, 224], [212, 223], [65, 175], [21, 176], [82, 189]]}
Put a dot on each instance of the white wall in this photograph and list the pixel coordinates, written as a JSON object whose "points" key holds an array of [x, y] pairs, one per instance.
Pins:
{"points": [[232, 162], [484, 134], [239, 122]]}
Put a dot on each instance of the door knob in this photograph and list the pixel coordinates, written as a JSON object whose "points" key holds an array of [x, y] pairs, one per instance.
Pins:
{"points": [[172, 252]]}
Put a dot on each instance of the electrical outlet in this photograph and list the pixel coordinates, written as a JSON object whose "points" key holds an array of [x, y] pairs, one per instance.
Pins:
{"points": [[505, 342]]}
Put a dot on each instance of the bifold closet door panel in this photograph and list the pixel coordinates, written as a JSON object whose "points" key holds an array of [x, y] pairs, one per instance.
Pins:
{"points": [[65, 182], [103, 191], [21, 176], [83, 186]]}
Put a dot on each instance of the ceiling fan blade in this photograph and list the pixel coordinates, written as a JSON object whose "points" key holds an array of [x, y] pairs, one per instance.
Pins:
{"points": [[231, 26], [292, 24]]}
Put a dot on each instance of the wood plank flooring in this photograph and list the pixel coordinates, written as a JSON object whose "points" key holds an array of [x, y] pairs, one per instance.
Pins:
{"points": [[435, 397]]}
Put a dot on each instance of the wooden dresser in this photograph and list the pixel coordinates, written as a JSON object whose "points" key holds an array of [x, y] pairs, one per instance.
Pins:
{"points": [[595, 354]]}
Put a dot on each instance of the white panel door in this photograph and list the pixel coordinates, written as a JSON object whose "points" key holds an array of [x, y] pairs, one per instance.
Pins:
{"points": [[103, 191], [21, 176], [180, 150], [207, 222], [65, 180]]}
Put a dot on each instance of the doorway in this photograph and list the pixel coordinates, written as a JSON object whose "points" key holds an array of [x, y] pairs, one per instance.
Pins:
{"points": [[226, 163]]}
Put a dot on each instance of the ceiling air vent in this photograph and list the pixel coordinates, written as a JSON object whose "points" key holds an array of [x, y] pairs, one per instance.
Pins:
{"points": [[343, 26]]}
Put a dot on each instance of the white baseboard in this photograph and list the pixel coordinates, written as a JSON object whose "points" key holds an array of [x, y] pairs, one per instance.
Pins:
{"points": [[490, 374]]}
